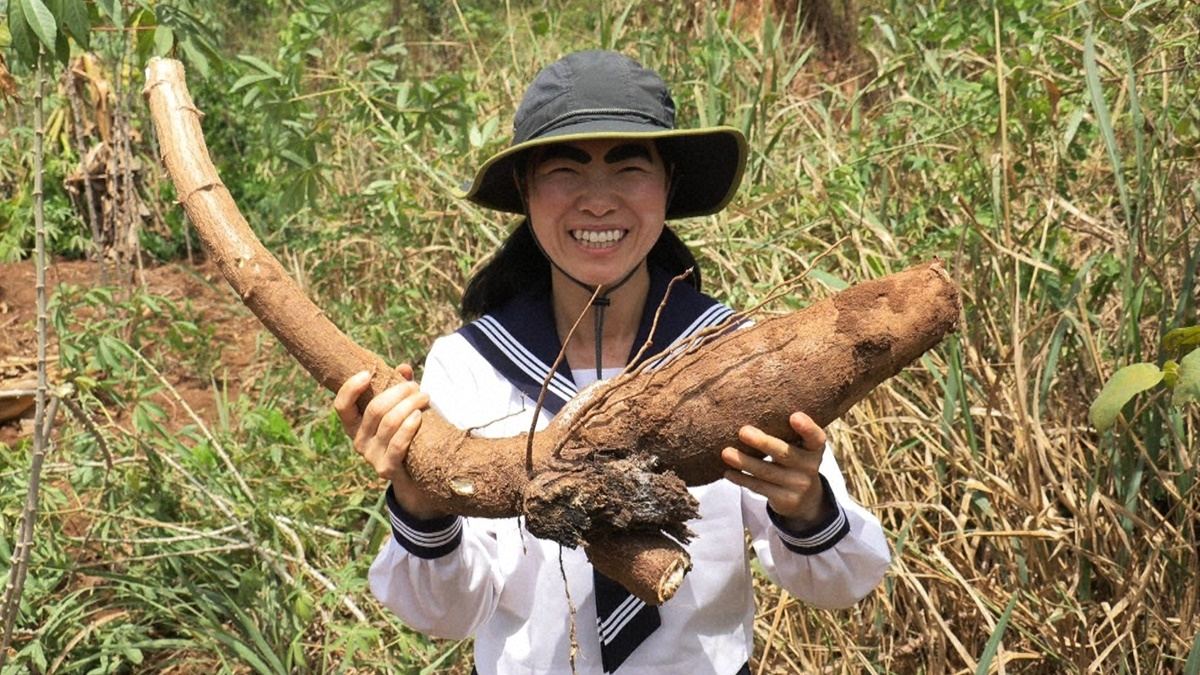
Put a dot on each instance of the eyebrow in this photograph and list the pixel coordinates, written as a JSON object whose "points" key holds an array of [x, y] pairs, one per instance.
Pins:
{"points": [[562, 151], [572, 153], [627, 151]]}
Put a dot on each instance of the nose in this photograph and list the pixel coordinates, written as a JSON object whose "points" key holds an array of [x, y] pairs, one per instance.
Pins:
{"points": [[597, 198]]}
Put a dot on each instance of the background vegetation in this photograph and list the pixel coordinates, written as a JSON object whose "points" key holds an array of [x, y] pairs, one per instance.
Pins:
{"points": [[1047, 150]]}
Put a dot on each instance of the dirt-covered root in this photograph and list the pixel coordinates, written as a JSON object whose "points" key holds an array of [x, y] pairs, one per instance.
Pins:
{"points": [[259, 280], [650, 566], [671, 424], [820, 360], [601, 497]]}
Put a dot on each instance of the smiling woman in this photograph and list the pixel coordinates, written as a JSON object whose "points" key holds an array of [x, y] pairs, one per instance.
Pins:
{"points": [[596, 168]]}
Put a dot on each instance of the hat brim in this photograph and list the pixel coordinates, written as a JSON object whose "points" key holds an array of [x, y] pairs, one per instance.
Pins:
{"points": [[708, 165]]}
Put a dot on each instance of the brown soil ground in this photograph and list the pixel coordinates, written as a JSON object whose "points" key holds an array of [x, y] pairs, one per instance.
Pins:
{"points": [[201, 286]]}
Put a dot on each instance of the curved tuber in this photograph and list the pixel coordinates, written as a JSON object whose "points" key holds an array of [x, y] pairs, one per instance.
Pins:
{"points": [[610, 473]]}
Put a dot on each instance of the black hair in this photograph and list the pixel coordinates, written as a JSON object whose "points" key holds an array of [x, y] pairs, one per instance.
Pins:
{"points": [[520, 266]]}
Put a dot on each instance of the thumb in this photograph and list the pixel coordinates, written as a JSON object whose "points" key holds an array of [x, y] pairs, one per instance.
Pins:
{"points": [[346, 401]]}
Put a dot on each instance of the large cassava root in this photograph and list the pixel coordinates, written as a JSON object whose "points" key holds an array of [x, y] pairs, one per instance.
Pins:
{"points": [[610, 472]]}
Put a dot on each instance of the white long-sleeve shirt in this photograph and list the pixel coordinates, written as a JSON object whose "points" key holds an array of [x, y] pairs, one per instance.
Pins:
{"points": [[457, 577]]}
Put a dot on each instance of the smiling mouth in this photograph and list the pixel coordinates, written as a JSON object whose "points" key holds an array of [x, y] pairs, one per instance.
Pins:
{"points": [[598, 238]]}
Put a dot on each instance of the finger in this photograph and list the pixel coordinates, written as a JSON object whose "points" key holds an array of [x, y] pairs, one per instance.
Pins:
{"points": [[395, 418], [790, 477], [769, 445], [387, 454], [404, 436], [782, 499], [812, 436], [345, 403], [379, 407], [405, 370], [804, 501]]}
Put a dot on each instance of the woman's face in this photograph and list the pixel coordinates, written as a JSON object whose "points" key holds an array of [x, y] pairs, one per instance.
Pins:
{"points": [[597, 206]]}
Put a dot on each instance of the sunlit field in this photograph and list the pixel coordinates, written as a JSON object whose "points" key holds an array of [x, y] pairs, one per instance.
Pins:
{"points": [[201, 509]]}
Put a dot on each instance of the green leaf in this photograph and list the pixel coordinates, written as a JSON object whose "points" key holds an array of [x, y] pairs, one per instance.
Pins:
{"points": [[41, 21], [1192, 667], [291, 156], [886, 31], [143, 23], [62, 49], [243, 652], [829, 280], [37, 655], [1104, 120], [1187, 386], [196, 57], [304, 607], [1120, 388], [113, 10], [143, 18], [22, 37], [1170, 373], [1179, 340], [133, 654], [72, 21], [164, 39], [262, 66], [144, 44], [75, 21], [247, 80], [993, 643]]}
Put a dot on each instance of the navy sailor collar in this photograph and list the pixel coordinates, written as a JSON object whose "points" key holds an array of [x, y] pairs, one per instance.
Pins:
{"points": [[520, 340]]}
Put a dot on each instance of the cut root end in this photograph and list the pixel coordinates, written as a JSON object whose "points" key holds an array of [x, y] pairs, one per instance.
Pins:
{"points": [[462, 488]]}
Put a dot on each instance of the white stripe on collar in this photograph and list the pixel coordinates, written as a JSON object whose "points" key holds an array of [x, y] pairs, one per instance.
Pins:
{"points": [[524, 359]]}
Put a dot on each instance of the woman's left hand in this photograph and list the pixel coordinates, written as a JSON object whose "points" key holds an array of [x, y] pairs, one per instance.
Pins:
{"points": [[789, 481]]}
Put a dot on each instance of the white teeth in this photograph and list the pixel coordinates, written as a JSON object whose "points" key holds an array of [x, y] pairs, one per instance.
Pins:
{"points": [[597, 238]]}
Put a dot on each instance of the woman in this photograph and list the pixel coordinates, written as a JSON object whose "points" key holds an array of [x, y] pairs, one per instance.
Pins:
{"points": [[597, 167]]}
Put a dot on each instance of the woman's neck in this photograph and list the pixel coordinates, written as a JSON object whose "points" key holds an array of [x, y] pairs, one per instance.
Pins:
{"points": [[622, 317]]}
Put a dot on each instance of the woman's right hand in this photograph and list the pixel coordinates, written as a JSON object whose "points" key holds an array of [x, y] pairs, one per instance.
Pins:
{"points": [[383, 432]]}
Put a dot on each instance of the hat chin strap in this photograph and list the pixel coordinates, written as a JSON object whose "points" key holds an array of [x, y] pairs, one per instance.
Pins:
{"points": [[599, 298]]}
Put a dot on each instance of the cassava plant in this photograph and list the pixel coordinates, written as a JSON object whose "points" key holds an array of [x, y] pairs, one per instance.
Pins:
{"points": [[1179, 373], [36, 35], [638, 440]]}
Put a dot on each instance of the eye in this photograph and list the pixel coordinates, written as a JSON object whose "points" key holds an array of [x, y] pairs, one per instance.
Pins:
{"points": [[559, 169]]}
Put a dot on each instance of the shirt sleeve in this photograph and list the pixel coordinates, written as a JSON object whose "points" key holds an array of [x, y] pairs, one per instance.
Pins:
{"points": [[437, 575], [833, 564]]}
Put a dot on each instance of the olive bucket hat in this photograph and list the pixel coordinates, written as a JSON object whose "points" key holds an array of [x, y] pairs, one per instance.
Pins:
{"points": [[599, 94]]}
